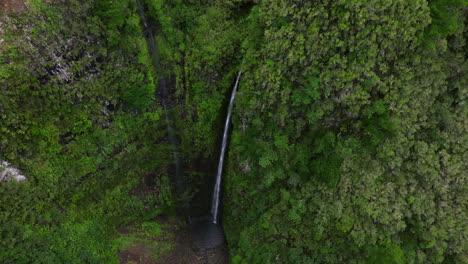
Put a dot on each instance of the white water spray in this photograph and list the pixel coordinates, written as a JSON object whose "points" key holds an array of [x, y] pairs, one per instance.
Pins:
{"points": [[217, 187]]}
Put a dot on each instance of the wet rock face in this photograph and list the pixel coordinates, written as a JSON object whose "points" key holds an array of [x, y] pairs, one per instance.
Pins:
{"points": [[7, 173]]}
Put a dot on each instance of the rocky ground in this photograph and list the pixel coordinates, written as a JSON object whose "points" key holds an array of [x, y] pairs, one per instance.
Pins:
{"points": [[173, 246]]}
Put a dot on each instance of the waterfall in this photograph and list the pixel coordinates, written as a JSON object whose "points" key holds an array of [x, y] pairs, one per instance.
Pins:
{"points": [[172, 138], [162, 88], [217, 187]]}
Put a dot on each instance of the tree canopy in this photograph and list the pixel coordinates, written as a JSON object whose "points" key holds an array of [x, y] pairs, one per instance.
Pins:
{"points": [[349, 134]]}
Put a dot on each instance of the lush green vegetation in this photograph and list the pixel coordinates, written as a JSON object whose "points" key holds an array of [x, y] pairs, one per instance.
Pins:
{"points": [[78, 117], [349, 135], [349, 130], [149, 237]]}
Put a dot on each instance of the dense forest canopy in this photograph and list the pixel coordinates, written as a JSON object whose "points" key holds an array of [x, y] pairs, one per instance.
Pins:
{"points": [[349, 132]]}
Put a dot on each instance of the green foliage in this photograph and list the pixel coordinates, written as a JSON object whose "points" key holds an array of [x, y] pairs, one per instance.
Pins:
{"points": [[389, 254], [447, 17], [348, 137], [326, 164], [146, 235], [77, 117], [340, 108], [198, 42], [346, 120]]}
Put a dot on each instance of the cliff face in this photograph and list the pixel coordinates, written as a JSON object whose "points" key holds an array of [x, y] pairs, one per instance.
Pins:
{"points": [[77, 115]]}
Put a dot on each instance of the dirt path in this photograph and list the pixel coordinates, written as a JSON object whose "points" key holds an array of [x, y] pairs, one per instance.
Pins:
{"points": [[11, 6]]}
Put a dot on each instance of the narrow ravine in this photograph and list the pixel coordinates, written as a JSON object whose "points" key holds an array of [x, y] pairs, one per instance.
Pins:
{"points": [[163, 95], [205, 233]]}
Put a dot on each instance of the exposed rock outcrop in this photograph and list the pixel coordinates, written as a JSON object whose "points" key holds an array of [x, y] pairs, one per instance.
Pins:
{"points": [[8, 172]]}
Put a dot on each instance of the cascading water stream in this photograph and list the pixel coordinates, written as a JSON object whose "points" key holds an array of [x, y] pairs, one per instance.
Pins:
{"points": [[162, 86], [217, 187]]}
